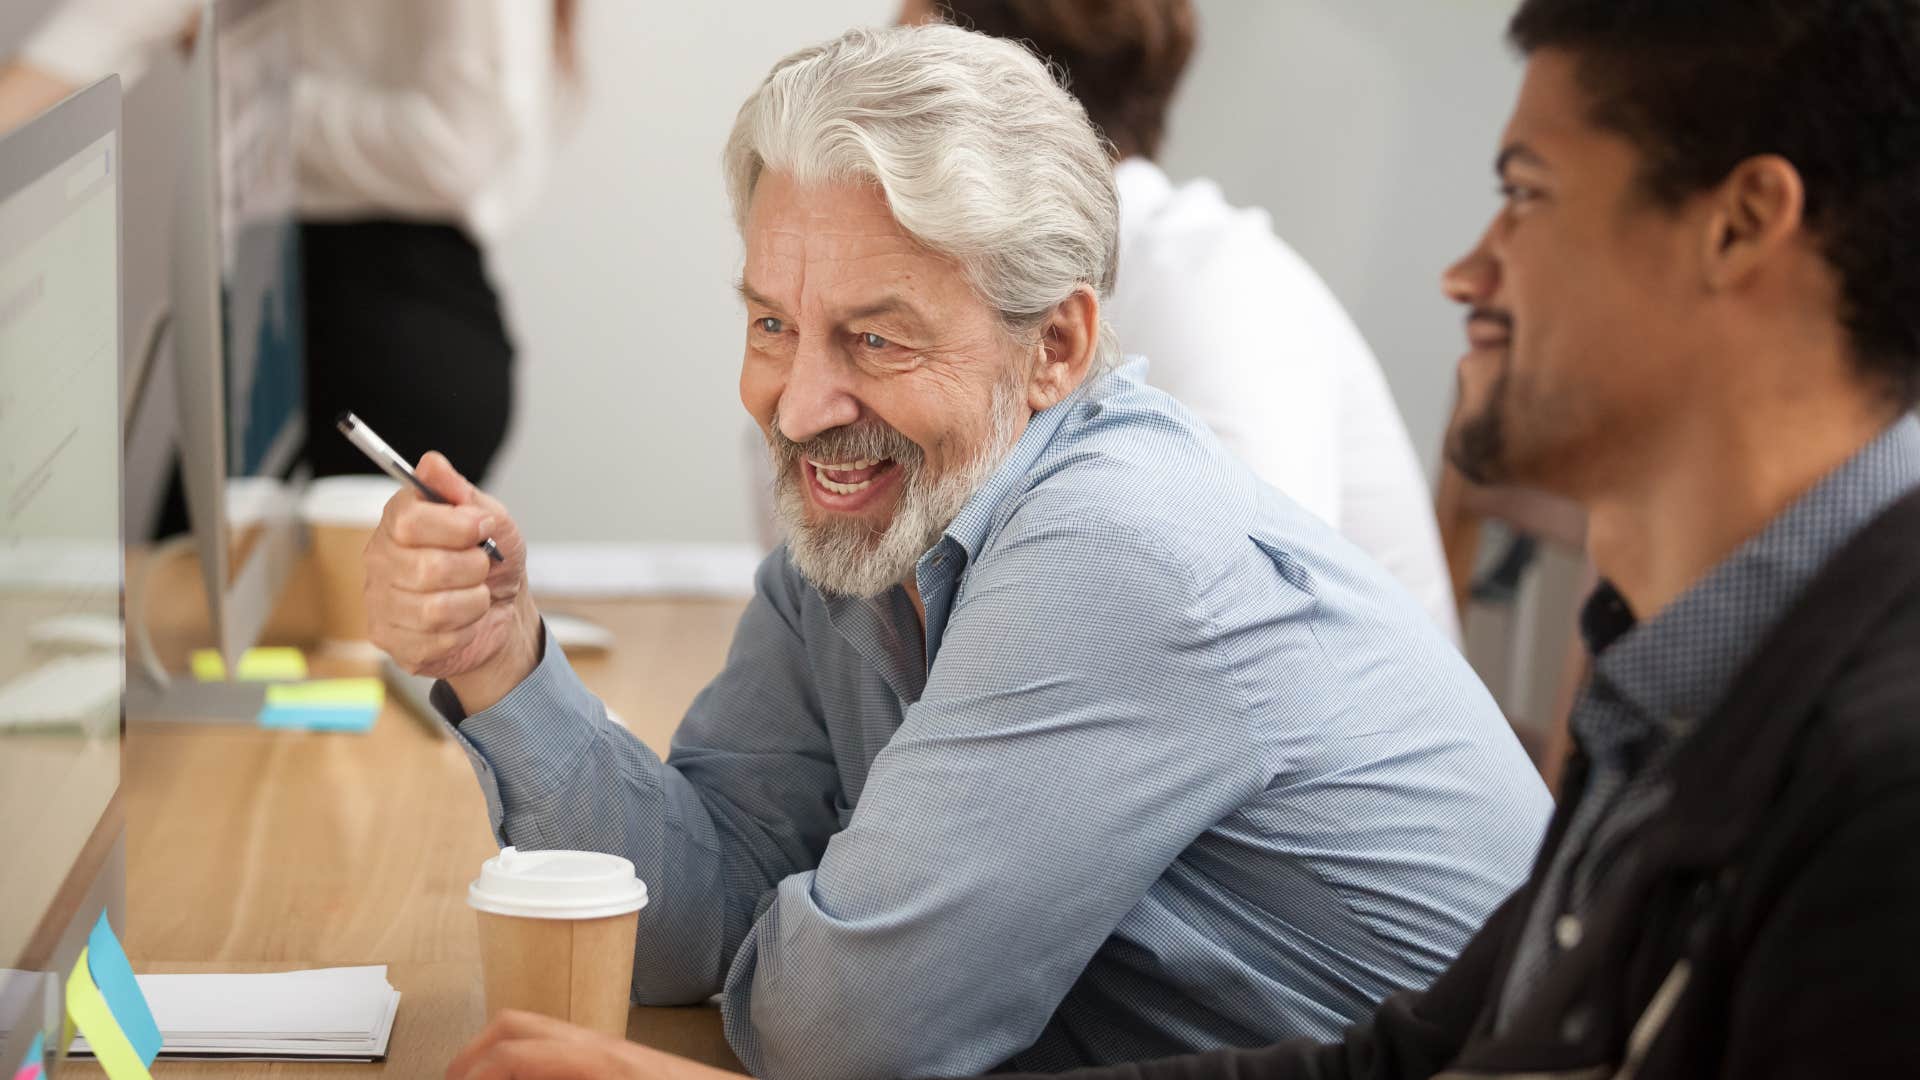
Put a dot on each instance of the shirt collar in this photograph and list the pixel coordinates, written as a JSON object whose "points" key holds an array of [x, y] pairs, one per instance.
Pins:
{"points": [[969, 528], [1678, 667], [939, 571]]}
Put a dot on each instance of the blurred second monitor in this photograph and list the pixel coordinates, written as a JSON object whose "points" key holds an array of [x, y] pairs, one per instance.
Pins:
{"points": [[237, 312]]}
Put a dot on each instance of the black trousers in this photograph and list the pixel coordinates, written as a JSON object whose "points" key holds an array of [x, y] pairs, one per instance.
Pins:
{"points": [[404, 330]]}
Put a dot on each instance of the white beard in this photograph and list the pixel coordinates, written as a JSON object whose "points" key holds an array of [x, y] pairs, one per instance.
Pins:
{"points": [[846, 558]]}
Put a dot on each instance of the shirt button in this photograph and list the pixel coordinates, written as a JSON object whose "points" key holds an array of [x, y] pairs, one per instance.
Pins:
{"points": [[1568, 931]]}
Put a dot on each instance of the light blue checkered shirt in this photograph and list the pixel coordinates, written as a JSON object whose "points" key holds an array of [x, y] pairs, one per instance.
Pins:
{"points": [[1177, 768]]}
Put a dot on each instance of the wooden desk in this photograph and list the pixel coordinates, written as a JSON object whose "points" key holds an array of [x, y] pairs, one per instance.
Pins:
{"points": [[252, 850]]}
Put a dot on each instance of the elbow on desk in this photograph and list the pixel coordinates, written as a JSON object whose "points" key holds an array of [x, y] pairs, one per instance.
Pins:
{"points": [[804, 1045], [812, 996], [823, 1031], [664, 975], [680, 961]]}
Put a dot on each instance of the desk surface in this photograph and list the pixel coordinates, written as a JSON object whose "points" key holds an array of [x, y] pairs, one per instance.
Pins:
{"points": [[251, 850]]}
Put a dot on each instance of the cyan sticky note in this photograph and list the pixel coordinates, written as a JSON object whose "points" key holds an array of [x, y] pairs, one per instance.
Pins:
{"points": [[107, 962], [324, 719], [35, 1059], [88, 1011], [268, 664], [324, 705]]}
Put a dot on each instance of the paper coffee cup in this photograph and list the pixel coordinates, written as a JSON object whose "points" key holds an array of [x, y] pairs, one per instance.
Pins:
{"points": [[341, 513], [253, 504], [556, 934]]}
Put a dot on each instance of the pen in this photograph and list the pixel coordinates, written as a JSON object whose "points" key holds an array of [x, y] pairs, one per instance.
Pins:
{"points": [[377, 451]]}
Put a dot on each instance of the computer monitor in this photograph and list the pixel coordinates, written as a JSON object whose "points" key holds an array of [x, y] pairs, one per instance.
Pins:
{"points": [[61, 549], [238, 312]]}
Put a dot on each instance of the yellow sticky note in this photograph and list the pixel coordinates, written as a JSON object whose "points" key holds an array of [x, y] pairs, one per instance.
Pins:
{"points": [[324, 705], [274, 664], [88, 1011], [328, 692]]}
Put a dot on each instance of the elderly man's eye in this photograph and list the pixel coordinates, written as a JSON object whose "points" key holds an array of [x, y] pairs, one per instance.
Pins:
{"points": [[768, 325], [873, 341]]}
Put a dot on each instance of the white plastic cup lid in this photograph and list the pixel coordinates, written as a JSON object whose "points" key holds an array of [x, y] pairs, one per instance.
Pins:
{"points": [[351, 501], [556, 885], [254, 499]]}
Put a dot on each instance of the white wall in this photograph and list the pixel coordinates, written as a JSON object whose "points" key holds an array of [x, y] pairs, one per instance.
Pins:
{"points": [[1365, 126], [620, 283], [1368, 128]]}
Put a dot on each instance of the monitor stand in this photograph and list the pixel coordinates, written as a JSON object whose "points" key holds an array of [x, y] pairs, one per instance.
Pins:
{"points": [[154, 694], [189, 701]]}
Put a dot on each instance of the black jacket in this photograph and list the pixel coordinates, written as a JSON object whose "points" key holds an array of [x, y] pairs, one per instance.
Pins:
{"points": [[1770, 926]]}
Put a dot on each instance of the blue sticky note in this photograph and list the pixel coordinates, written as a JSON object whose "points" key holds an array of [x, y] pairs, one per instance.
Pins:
{"points": [[107, 963], [319, 717], [36, 1057]]}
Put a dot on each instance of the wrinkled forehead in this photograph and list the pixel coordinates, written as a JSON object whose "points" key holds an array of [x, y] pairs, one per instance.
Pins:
{"points": [[835, 243]]}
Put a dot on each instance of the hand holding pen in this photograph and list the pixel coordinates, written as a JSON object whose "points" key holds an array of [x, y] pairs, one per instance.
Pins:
{"points": [[446, 580], [391, 463]]}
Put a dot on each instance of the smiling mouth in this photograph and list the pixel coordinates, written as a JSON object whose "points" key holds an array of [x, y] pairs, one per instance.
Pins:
{"points": [[849, 477], [1488, 331]]}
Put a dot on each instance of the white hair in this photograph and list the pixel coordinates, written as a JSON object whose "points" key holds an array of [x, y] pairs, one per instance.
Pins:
{"points": [[981, 154]]}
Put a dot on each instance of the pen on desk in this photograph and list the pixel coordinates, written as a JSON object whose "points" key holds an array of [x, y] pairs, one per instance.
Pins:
{"points": [[391, 463]]}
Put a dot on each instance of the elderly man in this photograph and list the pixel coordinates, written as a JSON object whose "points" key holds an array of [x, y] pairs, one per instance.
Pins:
{"points": [[1051, 736]]}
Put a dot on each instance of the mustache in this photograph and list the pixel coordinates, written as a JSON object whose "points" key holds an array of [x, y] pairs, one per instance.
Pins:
{"points": [[1502, 319], [853, 442]]}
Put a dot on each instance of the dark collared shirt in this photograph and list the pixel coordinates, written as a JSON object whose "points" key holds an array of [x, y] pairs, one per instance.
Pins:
{"points": [[1654, 682]]}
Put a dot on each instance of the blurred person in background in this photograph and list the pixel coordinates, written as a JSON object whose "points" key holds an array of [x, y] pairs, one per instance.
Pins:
{"points": [[422, 129], [1233, 323]]}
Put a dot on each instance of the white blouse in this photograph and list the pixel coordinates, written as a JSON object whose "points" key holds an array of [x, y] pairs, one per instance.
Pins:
{"points": [[1240, 329], [437, 110]]}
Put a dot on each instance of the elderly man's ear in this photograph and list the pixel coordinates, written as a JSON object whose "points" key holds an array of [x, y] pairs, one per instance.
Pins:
{"points": [[1069, 340]]}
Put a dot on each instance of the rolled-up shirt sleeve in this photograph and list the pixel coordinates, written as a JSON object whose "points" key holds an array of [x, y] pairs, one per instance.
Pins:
{"points": [[1043, 782], [746, 801]]}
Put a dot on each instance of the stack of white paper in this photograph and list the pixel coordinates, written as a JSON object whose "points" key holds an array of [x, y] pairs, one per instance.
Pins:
{"points": [[332, 1014]]}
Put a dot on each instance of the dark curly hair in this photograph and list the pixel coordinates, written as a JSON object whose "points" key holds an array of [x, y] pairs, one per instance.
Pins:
{"points": [[1123, 58], [1833, 86]]}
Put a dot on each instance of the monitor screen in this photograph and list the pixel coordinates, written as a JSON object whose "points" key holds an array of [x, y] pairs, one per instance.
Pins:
{"points": [[61, 664]]}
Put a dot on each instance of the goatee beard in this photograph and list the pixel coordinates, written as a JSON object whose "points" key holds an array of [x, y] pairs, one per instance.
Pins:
{"points": [[1477, 446]]}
